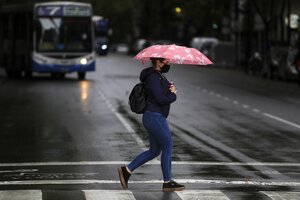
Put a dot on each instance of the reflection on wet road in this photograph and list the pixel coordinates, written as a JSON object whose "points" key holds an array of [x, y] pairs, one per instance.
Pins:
{"points": [[235, 136]]}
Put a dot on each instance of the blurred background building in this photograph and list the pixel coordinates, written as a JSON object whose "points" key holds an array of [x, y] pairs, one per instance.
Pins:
{"points": [[230, 32]]}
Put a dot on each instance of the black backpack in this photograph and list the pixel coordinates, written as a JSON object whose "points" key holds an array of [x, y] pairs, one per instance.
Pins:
{"points": [[138, 98]]}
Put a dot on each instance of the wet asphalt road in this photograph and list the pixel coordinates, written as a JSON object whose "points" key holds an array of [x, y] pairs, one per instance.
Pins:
{"points": [[232, 133]]}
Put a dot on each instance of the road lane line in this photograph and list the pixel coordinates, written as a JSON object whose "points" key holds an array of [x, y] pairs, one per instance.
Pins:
{"points": [[19, 171], [265, 114], [282, 195], [237, 163], [282, 120], [123, 121], [256, 110], [21, 195], [181, 181], [202, 195], [153, 162], [108, 195], [246, 106]]}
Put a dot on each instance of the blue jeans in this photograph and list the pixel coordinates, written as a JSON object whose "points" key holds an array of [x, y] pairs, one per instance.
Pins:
{"points": [[160, 141]]}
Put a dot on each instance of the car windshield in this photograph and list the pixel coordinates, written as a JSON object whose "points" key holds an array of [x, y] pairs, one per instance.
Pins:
{"points": [[68, 34]]}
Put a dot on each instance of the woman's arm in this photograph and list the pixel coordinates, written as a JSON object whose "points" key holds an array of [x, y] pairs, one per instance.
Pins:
{"points": [[160, 95]]}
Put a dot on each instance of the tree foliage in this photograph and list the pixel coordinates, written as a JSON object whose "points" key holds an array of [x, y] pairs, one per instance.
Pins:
{"points": [[155, 18]]}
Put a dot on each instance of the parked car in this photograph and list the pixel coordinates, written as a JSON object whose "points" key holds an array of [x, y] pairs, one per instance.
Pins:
{"points": [[139, 44], [204, 44], [294, 63], [222, 54], [281, 65], [120, 48], [163, 42]]}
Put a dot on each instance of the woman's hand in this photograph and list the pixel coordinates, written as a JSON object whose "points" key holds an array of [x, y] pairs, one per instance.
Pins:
{"points": [[172, 88]]}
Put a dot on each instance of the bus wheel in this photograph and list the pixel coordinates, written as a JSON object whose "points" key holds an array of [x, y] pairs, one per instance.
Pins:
{"points": [[81, 75], [61, 75], [53, 75]]}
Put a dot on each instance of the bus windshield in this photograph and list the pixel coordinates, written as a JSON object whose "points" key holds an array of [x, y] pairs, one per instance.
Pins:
{"points": [[64, 34]]}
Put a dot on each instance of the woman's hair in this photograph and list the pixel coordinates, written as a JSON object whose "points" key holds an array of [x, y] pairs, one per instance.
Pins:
{"points": [[154, 60]]}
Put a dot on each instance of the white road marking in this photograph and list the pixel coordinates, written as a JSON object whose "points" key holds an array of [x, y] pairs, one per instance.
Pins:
{"points": [[123, 121], [282, 195], [256, 110], [128, 195], [282, 120], [270, 172], [246, 106], [237, 163], [202, 195], [153, 162], [108, 195], [21, 195], [19, 171], [181, 181]]}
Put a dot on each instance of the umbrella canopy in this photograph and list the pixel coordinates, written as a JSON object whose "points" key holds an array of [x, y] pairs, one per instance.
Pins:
{"points": [[175, 54]]}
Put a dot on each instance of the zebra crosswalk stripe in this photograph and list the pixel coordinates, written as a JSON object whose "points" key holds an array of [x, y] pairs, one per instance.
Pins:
{"points": [[21, 195], [282, 195], [108, 195], [129, 195], [202, 195]]}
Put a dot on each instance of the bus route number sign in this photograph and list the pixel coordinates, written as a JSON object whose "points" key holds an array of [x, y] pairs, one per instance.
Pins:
{"points": [[77, 11], [60, 11], [49, 11]]}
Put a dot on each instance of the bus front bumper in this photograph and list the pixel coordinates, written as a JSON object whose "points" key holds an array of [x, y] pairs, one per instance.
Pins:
{"points": [[44, 68]]}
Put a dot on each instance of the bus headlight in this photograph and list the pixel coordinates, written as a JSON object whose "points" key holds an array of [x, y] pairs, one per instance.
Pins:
{"points": [[83, 61]]}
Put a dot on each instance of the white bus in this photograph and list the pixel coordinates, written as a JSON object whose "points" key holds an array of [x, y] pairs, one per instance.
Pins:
{"points": [[51, 37]]}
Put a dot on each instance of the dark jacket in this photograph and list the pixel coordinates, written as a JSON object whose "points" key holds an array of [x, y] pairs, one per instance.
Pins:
{"points": [[157, 89]]}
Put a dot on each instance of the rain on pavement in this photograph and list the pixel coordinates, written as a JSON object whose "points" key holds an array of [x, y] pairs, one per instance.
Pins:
{"points": [[235, 136]]}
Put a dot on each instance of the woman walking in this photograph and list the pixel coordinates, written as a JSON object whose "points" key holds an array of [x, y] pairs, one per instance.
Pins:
{"points": [[161, 93]]}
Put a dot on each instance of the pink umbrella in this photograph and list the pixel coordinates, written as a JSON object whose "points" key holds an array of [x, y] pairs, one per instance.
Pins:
{"points": [[175, 54]]}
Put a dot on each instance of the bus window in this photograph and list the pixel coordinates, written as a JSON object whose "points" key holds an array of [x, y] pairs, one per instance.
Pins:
{"points": [[63, 35]]}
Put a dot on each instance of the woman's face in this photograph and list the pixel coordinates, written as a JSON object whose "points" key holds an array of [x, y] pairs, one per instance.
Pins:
{"points": [[163, 63], [164, 66]]}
